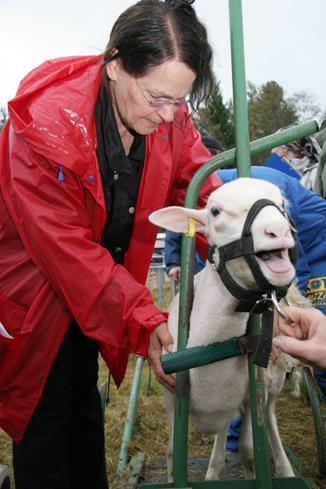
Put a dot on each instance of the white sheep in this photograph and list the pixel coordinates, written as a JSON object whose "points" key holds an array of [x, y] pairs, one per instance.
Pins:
{"points": [[219, 391]]}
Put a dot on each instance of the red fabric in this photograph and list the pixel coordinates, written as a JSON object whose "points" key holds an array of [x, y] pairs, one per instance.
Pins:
{"points": [[51, 263]]}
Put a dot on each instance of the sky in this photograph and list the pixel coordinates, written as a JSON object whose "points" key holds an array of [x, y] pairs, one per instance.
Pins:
{"points": [[285, 40]]}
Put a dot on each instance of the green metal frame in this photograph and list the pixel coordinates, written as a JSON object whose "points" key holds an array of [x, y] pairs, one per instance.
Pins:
{"points": [[131, 414], [263, 477]]}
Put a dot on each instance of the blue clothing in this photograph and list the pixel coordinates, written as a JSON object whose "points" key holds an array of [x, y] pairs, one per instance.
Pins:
{"points": [[232, 441], [308, 211], [172, 252], [274, 161]]}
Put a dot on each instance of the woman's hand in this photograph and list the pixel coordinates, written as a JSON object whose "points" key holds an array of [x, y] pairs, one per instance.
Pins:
{"points": [[161, 338]]}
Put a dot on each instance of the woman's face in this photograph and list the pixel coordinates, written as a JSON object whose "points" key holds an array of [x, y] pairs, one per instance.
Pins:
{"points": [[141, 104]]}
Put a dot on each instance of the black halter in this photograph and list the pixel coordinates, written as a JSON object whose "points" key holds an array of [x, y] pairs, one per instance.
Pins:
{"points": [[255, 300]]}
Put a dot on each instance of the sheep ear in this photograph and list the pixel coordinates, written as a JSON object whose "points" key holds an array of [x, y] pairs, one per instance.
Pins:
{"points": [[177, 219]]}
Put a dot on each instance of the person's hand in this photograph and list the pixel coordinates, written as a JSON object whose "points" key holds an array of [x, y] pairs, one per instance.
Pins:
{"points": [[158, 339], [303, 335], [174, 274]]}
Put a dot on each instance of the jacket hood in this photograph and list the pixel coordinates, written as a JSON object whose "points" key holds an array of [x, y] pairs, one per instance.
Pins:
{"points": [[53, 110]]}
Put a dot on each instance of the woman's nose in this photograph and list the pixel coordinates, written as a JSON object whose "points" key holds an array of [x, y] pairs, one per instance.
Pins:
{"points": [[166, 112]]}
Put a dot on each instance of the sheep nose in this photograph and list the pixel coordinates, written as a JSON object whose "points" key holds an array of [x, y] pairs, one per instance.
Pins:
{"points": [[278, 230]]}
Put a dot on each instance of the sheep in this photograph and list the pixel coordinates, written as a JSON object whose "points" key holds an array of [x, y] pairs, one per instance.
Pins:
{"points": [[219, 391]]}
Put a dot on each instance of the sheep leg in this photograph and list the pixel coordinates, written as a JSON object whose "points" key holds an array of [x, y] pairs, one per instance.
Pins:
{"points": [[296, 378], [169, 456], [282, 465], [169, 407], [217, 458], [246, 444]]}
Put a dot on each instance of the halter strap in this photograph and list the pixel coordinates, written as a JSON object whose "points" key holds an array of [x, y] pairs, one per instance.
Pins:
{"points": [[255, 300]]}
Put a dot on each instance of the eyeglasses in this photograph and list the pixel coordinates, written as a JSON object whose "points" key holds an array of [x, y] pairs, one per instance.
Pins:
{"points": [[154, 101]]}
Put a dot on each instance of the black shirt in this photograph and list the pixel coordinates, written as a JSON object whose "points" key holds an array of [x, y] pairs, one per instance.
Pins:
{"points": [[121, 176]]}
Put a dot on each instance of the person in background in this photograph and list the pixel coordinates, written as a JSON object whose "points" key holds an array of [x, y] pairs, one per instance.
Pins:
{"points": [[298, 159], [303, 160], [320, 182], [92, 146], [172, 248]]}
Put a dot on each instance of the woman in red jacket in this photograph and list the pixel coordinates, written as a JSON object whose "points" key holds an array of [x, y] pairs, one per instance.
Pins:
{"points": [[93, 145]]}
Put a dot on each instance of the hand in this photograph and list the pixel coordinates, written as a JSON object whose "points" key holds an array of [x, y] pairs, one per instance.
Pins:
{"points": [[174, 274], [304, 335], [158, 339]]}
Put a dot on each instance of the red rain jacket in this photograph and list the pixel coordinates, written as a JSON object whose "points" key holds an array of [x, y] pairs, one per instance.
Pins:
{"points": [[52, 214]]}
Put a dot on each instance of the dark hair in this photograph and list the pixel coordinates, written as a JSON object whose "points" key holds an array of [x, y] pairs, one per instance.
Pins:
{"points": [[152, 32], [211, 142]]}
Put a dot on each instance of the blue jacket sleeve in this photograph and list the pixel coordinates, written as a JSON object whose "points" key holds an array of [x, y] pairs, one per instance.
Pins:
{"points": [[172, 251]]}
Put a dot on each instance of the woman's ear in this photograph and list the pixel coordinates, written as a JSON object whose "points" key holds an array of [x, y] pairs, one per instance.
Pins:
{"points": [[112, 69], [113, 66]]}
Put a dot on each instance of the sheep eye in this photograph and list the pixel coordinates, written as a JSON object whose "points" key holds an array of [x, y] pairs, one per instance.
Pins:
{"points": [[215, 211]]}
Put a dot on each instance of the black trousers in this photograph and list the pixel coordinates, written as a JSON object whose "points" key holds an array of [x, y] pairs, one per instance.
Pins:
{"points": [[63, 446]]}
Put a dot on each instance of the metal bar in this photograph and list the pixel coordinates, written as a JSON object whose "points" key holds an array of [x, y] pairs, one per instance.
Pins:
{"points": [[258, 416], [256, 384], [255, 147], [239, 89], [130, 418], [181, 412]]}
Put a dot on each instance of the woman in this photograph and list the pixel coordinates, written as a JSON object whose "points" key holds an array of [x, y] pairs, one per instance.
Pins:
{"points": [[92, 146]]}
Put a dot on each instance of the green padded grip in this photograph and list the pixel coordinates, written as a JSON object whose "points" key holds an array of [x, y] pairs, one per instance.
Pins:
{"points": [[199, 355]]}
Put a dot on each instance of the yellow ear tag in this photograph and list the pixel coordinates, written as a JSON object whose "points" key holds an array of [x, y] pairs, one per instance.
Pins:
{"points": [[191, 228]]}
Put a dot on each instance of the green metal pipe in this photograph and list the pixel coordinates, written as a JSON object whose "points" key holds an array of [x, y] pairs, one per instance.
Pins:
{"points": [[131, 414], [227, 159], [256, 385], [239, 89], [181, 412]]}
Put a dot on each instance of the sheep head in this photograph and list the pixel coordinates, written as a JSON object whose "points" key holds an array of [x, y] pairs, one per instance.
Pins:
{"points": [[223, 220]]}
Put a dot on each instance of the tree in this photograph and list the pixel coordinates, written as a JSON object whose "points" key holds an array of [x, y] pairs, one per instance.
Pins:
{"points": [[217, 119], [268, 109], [306, 106]]}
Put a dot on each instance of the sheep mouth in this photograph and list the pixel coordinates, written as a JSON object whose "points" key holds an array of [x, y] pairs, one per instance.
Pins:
{"points": [[277, 260]]}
